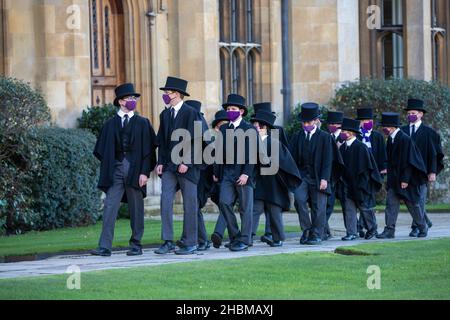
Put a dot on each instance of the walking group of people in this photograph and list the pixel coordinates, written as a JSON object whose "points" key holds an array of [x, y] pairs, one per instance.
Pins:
{"points": [[348, 161]]}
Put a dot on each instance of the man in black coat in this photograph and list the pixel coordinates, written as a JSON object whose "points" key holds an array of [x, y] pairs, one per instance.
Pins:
{"points": [[312, 150], [428, 142], [272, 190], [181, 173], [237, 174], [361, 180], [406, 173], [334, 121], [376, 144], [126, 148]]}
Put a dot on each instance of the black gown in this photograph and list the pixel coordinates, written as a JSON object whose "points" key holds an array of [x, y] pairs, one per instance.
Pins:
{"points": [[142, 157], [378, 149]]}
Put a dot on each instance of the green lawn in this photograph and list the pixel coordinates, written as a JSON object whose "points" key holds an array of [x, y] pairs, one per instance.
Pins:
{"points": [[409, 270], [86, 238]]}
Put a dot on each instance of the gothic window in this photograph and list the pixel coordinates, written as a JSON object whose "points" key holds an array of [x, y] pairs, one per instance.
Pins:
{"points": [[240, 49]]}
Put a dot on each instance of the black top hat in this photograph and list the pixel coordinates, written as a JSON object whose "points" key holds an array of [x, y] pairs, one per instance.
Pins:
{"points": [[310, 111], [219, 116], [335, 117], [125, 90], [416, 104], [236, 100], [264, 106], [365, 113], [176, 84], [390, 119], [351, 125], [197, 105], [264, 117]]}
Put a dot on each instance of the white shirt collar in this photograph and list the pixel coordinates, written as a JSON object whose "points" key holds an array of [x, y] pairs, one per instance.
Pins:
{"points": [[178, 106], [264, 137], [368, 132], [393, 134], [350, 142], [237, 123], [312, 132], [337, 133], [417, 124], [122, 114]]}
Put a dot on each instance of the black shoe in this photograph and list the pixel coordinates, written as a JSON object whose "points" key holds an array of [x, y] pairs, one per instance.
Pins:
{"points": [[370, 235], [304, 237], [204, 246], [166, 248], [267, 239], [102, 252], [349, 237], [186, 250], [180, 244], [227, 245], [414, 233], [387, 234], [327, 237], [313, 241], [135, 252], [216, 240], [422, 234], [238, 246], [362, 234], [276, 244], [429, 224]]}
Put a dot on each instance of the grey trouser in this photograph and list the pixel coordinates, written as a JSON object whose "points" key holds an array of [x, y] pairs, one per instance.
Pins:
{"points": [[317, 222], [350, 216], [229, 192], [423, 201], [393, 207], [273, 214], [112, 205], [169, 183]]}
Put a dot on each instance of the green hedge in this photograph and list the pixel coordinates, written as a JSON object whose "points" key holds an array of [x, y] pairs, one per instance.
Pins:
{"points": [[93, 118]]}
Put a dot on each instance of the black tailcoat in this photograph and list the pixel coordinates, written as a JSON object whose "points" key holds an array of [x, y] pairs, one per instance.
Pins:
{"points": [[405, 164], [361, 175], [142, 156], [321, 155], [378, 148], [185, 119], [429, 144]]}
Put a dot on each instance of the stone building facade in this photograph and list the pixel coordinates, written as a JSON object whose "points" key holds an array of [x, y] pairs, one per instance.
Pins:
{"points": [[77, 51]]}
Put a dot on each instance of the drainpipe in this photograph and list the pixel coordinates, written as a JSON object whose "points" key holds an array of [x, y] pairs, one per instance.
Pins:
{"points": [[286, 91]]}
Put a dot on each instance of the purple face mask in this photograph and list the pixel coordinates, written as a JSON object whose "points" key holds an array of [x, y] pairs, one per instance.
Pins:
{"points": [[233, 115], [386, 131], [344, 136], [333, 128], [309, 128], [131, 105], [368, 126], [166, 98], [412, 118]]}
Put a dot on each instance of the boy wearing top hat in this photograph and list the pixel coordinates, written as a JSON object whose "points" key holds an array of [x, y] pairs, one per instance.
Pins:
{"points": [[178, 115], [236, 179], [334, 124], [312, 150], [361, 180], [126, 148], [376, 144], [272, 191], [406, 173], [428, 142]]}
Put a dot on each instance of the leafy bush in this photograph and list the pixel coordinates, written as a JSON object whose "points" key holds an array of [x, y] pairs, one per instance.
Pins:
{"points": [[95, 117], [392, 95]]}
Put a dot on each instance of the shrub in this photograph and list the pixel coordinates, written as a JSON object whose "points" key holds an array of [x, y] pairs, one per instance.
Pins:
{"points": [[95, 117], [392, 95]]}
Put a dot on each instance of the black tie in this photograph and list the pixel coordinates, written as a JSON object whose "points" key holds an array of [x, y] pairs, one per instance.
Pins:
{"points": [[308, 136], [413, 130], [125, 121], [232, 126], [172, 114]]}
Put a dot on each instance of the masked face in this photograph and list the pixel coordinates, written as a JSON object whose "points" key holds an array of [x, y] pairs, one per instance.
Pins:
{"points": [[386, 131], [368, 125], [344, 136], [333, 128]]}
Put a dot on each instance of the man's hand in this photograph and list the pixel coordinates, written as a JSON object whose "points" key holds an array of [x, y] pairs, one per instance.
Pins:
{"points": [[143, 179], [242, 181], [183, 168], [432, 177], [404, 185], [215, 179], [323, 184], [383, 171], [159, 170]]}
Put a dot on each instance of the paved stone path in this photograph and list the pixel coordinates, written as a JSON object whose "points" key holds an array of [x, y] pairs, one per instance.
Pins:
{"points": [[59, 264]]}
